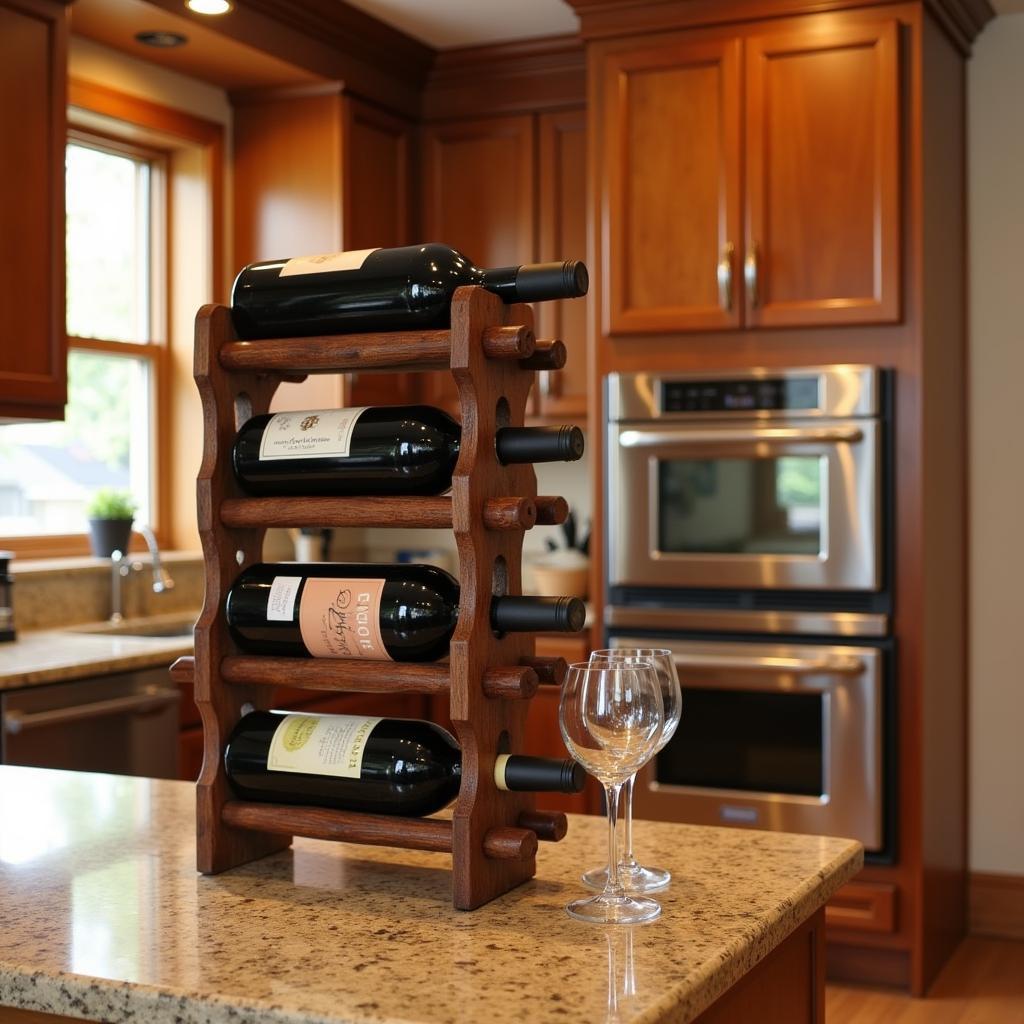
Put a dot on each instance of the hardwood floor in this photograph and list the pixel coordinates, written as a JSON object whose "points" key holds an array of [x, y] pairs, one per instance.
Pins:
{"points": [[983, 983]]}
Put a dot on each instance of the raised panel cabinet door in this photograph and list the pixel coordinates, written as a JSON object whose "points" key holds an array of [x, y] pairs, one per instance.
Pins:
{"points": [[479, 197], [562, 235], [822, 160], [671, 187], [377, 152], [33, 101]]}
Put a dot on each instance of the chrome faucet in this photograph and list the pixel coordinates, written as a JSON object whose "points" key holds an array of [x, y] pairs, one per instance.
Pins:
{"points": [[122, 567], [161, 577]]}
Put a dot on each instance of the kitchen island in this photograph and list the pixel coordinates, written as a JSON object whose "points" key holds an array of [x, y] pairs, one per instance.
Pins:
{"points": [[103, 917]]}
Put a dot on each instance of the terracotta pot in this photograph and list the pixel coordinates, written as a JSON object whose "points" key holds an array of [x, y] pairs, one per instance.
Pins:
{"points": [[109, 535]]}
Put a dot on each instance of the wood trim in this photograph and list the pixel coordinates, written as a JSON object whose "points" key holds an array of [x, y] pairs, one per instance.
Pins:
{"points": [[521, 77], [996, 904], [962, 20], [331, 39]]}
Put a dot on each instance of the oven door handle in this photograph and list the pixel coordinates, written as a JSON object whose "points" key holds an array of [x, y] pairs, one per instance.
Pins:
{"points": [[137, 704], [836, 665], [726, 435]]}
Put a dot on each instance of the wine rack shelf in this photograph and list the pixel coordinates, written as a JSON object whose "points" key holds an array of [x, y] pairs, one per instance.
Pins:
{"points": [[492, 353]]}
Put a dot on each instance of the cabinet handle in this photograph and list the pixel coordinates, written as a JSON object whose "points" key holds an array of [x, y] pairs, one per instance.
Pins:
{"points": [[750, 276], [725, 277]]}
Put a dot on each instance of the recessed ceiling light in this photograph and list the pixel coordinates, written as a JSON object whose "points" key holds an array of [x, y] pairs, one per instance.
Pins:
{"points": [[208, 6], [164, 40]]}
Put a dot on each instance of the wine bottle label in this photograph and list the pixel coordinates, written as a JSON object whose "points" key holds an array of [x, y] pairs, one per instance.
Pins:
{"points": [[340, 618], [320, 744], [352, 260], [281, 602], [309, 435]]}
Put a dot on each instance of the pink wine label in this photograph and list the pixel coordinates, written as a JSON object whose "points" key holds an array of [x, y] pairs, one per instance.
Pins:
{"points": [[340, 618], [351, 260]]}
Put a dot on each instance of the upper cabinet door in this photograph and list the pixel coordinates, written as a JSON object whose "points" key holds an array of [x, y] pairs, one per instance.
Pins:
{"points": [[671, 188], [822, 231], [33, 101], [478, 196]]}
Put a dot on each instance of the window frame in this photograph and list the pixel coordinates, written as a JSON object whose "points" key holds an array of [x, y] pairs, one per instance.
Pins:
{"points": [[117, 120]]}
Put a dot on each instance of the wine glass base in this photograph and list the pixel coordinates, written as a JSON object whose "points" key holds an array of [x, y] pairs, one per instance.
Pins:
{"points": [[614, 909], [636, 879]]}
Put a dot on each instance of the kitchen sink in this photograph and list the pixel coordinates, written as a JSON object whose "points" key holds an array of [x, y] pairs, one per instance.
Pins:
{"points": [[161, 626]]}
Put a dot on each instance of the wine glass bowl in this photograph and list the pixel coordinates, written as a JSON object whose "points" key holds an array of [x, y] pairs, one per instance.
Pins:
{"points": [[611, 716], [634, 876]]}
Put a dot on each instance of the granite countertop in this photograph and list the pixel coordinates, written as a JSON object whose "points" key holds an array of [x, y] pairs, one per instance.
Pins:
{"points": [[102, 917], [51, 656]]}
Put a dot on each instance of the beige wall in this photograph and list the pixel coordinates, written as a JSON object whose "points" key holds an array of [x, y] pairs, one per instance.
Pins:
{"points": [[190, 247], [996, 214]]}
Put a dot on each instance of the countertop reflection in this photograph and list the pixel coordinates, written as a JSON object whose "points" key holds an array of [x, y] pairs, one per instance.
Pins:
{"points": [[103, 917]]}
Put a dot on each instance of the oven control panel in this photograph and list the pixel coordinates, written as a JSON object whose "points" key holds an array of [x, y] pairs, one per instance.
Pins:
{"points": [[750, 395]]}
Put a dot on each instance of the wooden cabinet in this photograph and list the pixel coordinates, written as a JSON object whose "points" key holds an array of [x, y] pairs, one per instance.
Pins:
{"points": [[321, 172], [33, 101], [671, 196], [509, 190], [562, 234], [822, 227], [478, 197], [807, 121]]}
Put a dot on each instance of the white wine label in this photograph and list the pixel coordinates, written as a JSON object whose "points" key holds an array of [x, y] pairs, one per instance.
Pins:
{"points": [[340, 618], [281, 603], [309, 435], [320, 744], [352, 260]]}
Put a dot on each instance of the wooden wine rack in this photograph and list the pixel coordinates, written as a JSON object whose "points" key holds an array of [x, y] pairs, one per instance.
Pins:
{"points": [[492, 354]]}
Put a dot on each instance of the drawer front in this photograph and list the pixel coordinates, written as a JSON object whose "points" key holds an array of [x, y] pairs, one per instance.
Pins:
{"points": [[863, 907]]}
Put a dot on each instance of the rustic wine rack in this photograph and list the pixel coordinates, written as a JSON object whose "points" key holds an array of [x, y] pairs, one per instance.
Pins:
{"points": [[492, 354]]}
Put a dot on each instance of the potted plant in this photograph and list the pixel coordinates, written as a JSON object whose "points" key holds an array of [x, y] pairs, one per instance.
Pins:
{"points": [[110, 515]]}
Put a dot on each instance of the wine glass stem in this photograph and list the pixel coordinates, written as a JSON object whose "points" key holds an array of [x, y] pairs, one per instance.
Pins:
{"points": [[628, 860], [613, 887]]}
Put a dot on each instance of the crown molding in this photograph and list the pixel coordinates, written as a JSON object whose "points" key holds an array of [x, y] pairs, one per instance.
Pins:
{"points": [[522, 76]]}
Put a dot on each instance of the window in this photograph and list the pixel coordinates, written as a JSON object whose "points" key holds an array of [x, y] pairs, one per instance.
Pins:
{"points": [[116, 313]]}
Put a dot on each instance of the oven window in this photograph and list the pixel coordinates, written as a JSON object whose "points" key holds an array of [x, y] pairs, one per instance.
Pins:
{"points": [[749, 740], [769, 506]]}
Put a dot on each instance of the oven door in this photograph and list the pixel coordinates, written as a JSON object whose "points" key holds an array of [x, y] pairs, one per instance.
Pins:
{"points": [[781, 506], [778, 736]]}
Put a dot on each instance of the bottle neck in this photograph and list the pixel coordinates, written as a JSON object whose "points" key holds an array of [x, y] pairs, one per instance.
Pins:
{"points": [[501, 281]]}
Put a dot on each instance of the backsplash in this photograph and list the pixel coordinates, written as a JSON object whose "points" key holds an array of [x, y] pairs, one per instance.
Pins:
{"points": [[64, 592]]}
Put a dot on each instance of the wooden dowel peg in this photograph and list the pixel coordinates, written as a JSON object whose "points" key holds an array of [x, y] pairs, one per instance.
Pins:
{"points": [[507, 843], [509, 342], [432, 834], [550, 671], [509, 513], [550, 826], [517, 682], [183, 670], [551, 510], [549, 354], [336, 674]]}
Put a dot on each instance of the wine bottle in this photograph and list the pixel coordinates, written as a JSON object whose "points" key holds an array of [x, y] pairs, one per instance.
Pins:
{"points": [[370, 611], [374, 765], [378, 450], [381, 290]]}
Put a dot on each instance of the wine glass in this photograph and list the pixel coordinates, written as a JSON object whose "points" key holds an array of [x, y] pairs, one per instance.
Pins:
{"points": [[635, 877], [611, 715]]}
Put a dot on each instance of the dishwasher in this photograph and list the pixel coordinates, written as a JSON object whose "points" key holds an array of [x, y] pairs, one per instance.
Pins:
{"points": [[123, 724]]}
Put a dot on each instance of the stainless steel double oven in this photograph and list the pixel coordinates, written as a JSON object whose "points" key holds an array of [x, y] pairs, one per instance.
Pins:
{"points": [[748, 531]]}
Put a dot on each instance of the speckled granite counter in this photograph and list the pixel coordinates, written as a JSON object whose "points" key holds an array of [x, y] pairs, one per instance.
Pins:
{"points": [[52, 656], [102, 917]]}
